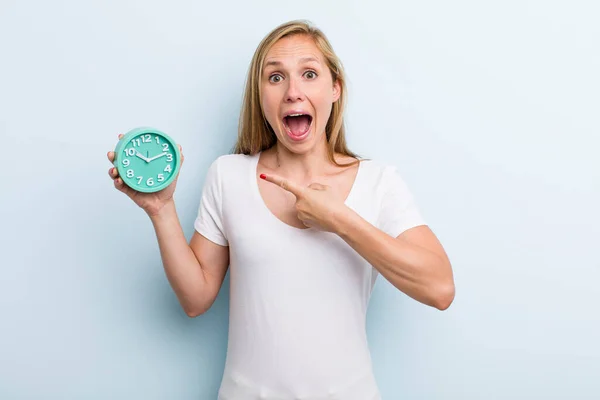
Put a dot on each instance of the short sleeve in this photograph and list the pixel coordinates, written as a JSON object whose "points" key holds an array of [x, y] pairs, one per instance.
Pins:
{"points": [[399, 210], [209, 220]]}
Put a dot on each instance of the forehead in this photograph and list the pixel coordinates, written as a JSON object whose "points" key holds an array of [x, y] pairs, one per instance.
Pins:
{"points": [[293, 49]]}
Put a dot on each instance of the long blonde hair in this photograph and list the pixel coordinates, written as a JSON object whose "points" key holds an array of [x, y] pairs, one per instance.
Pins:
{"points": [[254, 132]]}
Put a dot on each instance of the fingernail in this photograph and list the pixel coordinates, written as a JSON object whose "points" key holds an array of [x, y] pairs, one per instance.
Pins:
{"points": [[263, 176], [113, 170]]}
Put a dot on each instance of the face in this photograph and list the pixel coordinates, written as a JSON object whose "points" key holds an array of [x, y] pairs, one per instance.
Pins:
{"points": [[297, 93]]}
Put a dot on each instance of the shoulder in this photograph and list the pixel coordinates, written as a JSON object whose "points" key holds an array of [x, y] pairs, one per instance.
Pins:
{"points": [[229, 170], [382, 177], [231, 163], [378, 170], [232, 160]]}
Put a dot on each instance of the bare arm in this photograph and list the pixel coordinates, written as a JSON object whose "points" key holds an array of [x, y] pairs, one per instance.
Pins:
{"points": [[414, 262], [195, 271]]}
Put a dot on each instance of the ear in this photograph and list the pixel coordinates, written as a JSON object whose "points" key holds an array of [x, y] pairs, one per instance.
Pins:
{"points": [[337, 91]]}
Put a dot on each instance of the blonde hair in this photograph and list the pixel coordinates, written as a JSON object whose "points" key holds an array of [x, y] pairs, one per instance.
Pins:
{"points": [[254, 132]]}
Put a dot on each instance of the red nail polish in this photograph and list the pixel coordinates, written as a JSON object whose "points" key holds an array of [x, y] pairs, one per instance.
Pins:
{"points": [[263, 176]]}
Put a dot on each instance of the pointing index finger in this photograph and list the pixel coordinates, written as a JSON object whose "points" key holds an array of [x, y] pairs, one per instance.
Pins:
{"points": [[285, 184]]}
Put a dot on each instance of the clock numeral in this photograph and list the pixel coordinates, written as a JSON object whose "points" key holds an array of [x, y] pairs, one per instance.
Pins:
{"points": [[157, 141], [130, 173], [139, 178], [161, 177], [130, 151], [146, 138], [126, 162], [150, 182], [169, 157], [136, 142], [167, 168], [165, 147]]}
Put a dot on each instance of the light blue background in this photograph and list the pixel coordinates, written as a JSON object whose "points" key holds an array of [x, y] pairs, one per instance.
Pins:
{"points": [[489, 109]]}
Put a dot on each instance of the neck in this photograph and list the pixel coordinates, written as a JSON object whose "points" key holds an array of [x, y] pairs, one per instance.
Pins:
{"points": [[304, 166]]}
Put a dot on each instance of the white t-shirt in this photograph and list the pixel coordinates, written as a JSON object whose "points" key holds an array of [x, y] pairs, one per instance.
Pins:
{"points": [[298, 297]]}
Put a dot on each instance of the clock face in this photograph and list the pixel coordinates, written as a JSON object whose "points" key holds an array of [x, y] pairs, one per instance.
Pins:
{"points": [[147, 161]]}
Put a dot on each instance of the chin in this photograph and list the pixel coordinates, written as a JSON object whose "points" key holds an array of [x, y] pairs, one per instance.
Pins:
{"points": [[305, 145]]}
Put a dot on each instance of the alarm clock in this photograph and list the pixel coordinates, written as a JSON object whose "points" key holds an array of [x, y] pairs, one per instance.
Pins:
{"points": [[147, 159]]}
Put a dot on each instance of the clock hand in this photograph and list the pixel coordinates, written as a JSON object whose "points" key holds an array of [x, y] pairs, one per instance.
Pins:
{"points": [[155, 157], [137, 153]]}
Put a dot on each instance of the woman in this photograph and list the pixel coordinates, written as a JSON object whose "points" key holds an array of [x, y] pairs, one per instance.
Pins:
{"points": [[305, 227]]}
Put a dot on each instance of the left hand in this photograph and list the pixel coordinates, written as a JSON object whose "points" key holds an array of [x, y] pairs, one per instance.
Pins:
{"points": [[317, 205]]}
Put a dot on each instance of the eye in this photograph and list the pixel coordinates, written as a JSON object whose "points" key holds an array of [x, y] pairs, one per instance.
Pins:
{"points": [[275, 78], [310, 74]]}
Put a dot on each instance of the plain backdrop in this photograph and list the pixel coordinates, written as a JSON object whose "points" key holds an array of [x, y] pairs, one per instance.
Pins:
{"points": [[489, 110]]}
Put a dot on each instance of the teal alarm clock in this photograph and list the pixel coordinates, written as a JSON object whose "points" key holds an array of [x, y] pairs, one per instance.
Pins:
{"points": [[147, 159]]}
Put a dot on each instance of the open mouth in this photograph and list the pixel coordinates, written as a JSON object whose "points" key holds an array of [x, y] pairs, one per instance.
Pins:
{"points": [[297, 125]]}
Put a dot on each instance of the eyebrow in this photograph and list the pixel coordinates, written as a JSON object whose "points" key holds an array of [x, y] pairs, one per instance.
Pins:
{"points": [[302, 60]]}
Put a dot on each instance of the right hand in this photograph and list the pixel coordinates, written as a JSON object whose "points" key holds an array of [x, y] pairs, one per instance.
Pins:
{"points": [[151, 203]]}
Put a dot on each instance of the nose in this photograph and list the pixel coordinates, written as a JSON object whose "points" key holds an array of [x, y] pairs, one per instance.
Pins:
{"points": [[294, 91]]}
